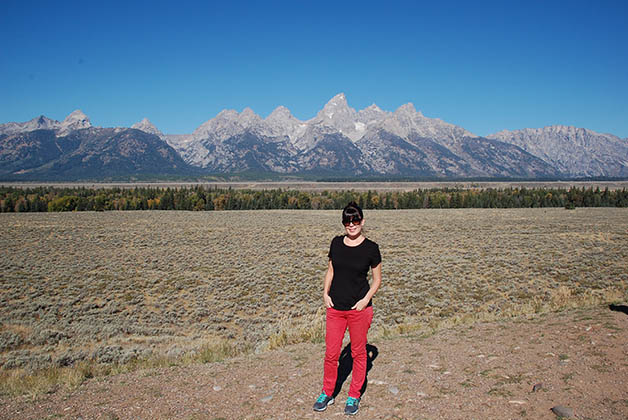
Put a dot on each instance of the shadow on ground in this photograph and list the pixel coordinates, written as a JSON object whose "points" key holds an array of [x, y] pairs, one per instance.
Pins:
{"points": [[619, 308], [345, 365]]}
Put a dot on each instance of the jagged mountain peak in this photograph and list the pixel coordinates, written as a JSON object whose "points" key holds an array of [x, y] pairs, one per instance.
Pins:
{"points": [[406, 121], [248, 117], [552, 130], [281, 123], [144, 121], [42, 119], [408, 109], [280, 111], [227, 114], [572, 150], [336, 107], [572, 130], [338, 115], [43, 122], [373, 107], [75, 121], [232, 114], [77, 116], [403, 142], [280, 116], [38, 123], [146, 126], [372, 114], [226, 124], [339, 99]]}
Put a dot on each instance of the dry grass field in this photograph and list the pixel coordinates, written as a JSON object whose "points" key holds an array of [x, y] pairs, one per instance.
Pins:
{"points": [[106, 289]]}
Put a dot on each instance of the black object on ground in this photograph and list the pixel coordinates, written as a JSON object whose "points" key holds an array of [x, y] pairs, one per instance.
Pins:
{"points": [[619, 308]]}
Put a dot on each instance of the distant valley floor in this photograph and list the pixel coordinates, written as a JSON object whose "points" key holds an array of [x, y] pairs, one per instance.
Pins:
{"points": [[322, 186]]}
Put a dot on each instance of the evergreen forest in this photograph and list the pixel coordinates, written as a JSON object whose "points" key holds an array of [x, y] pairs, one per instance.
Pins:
{"points": [[202, 198]]}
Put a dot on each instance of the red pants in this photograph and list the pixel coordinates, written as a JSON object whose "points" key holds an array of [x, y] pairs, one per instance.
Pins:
{"points": [[336, 325]]}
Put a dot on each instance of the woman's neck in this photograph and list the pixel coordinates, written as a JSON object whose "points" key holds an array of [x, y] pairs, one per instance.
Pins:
{"points": [[354, 240]]}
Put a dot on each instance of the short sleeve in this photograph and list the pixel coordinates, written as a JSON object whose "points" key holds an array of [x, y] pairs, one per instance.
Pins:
{"points": [[331, 247], [376, 257]]}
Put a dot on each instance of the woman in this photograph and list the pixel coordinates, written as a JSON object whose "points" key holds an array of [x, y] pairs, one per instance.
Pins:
{"points": [[347, 297]]}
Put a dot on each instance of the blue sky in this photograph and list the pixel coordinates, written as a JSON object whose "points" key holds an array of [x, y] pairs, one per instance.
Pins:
{"points": [[483, 65]]}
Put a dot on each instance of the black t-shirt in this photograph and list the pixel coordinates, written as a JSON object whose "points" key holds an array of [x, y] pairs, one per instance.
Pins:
{"points": [[351, 265]]}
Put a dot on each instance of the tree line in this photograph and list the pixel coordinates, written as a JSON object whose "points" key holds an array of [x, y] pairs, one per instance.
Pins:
{"points": [[200, 198]]}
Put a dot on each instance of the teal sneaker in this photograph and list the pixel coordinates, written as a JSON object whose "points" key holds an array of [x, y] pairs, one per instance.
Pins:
{"points": [[352, 406], [322, 402]]}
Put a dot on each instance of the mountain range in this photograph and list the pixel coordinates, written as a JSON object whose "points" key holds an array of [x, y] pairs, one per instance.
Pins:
{"points": [[45, 149], [338, 141]]}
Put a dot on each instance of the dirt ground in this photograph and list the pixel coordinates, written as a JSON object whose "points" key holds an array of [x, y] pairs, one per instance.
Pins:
{"points": [[577, 359]]}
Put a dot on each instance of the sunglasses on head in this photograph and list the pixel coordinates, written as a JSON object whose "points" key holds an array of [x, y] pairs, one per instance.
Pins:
{"points": [[354, 221]]}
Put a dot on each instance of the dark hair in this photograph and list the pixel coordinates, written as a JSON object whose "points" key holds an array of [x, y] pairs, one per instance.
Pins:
{"points": [[352, 212]]}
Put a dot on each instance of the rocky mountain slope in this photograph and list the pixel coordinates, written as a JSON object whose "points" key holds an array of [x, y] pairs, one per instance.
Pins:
{"points": [[75, 121], [338, 141], [72, 149], [573, 151], [341, 140]]}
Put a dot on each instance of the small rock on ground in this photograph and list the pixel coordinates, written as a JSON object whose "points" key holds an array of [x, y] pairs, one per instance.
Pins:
{"points": [[561, 411]]}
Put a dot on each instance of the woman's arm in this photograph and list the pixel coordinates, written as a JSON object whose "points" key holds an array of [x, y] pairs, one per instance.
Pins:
{"points": [[327, 284], [377, 281]]}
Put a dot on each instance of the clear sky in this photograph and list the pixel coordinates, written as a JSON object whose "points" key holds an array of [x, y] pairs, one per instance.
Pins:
{"points": [[483, 65]]}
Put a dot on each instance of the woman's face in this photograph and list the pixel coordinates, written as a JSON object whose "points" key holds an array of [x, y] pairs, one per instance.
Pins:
{"points": [[353, 230]]}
